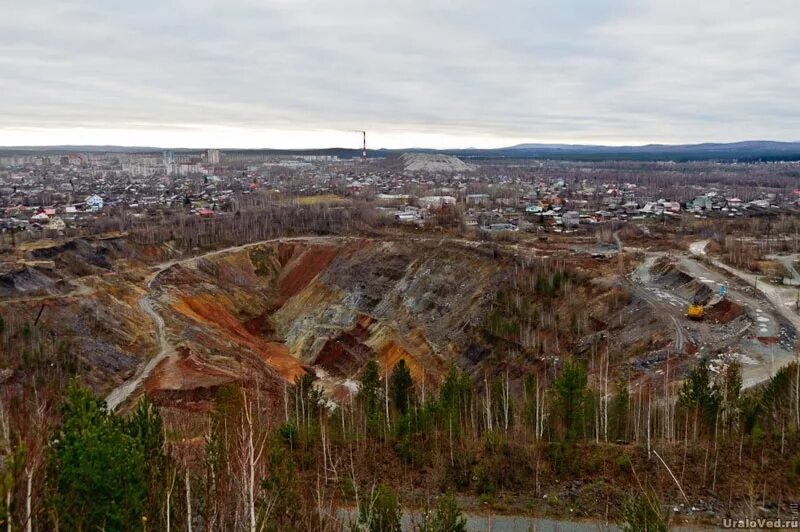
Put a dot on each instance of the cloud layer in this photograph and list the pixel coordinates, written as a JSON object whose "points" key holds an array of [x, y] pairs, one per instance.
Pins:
{"points": [[442, 72]]}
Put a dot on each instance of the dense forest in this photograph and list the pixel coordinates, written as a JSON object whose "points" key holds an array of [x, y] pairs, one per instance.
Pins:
{"points": [[566, 437]]}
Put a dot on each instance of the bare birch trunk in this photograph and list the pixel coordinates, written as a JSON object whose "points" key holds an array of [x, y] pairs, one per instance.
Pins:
{"points": [[488, 402], [386, 395], [188, 490], [8, 509], [28, 497]]}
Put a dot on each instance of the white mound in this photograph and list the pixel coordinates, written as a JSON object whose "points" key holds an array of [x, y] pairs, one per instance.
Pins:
{"points": [[434, 162]]}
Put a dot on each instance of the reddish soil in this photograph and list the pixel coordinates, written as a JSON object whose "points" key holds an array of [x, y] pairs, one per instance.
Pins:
{"points": [[345, 354], [303, 268], [391, 355], [285, 253], [724, 311], [187, 371], [207, 310], [276, 355], [178, 276], [260, 325]]}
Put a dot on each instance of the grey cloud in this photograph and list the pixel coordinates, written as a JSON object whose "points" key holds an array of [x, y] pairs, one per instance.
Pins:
{"points": [[572, 70]]}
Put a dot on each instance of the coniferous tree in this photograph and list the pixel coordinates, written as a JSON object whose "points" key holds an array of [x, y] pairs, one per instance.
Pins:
{"points": [[98, 465], [400, 384], [618, 414], [382, 513], [369, 394], [644, 513], [700, 395], [444, 517], [570, 398]]}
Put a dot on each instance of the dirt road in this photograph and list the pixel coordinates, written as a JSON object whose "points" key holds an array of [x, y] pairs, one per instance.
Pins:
{"points": [[763, 347], [665, 305], [121, 393], [782, 298]]}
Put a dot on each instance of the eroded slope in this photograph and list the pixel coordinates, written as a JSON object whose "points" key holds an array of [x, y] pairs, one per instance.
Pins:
{"points": [[274, 311]]}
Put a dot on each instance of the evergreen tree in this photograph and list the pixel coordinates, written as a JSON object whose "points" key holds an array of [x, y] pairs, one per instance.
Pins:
{"points": [[281, 500], [400, 384], [370, 394], [731, 394], [370, 388], [445, 517], [146, 427], [644, 514], [618, 415], [570, 397], [383, 512], [97, 468], [453, 394], [700, 394]]}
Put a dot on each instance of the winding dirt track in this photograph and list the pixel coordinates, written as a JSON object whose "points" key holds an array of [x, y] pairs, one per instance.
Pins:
{"points": [[782, 298], [121, 393]]}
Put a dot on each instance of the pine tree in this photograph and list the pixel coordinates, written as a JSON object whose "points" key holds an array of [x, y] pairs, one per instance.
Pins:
{"points": [[370, 388], [370, 396], [383, 512], [700, 394], [147, 428], [444, 517], [400, 384], [97, 469], [570, 398]]}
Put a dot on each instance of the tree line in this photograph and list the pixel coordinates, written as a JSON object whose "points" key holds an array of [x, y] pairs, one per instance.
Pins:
{"points": [[302, 462]]}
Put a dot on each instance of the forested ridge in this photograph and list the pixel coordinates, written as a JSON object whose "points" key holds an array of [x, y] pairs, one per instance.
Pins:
{"points": [[544, 415], [559, 440]]}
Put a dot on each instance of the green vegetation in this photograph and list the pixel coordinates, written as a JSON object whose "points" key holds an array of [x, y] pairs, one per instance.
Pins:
{"points": [[381, 513], [444, 517], [569, 400], [292, 462], [644, 513], [102, 468], [263, 258], [400, 386]]}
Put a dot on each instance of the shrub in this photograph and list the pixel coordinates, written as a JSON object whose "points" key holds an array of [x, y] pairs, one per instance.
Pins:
{"points": [[383, 512], [445, 517], [644, 514]]}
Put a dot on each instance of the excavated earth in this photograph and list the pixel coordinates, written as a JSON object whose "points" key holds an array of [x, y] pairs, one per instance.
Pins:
{"points": [[265, 314], [273, 312]]}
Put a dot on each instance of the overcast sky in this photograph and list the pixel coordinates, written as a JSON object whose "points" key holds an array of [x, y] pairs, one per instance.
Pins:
{"points": [[436, 73]]}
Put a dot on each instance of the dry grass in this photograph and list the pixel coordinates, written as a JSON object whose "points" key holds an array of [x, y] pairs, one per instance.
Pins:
{"points": [[321, 199]]}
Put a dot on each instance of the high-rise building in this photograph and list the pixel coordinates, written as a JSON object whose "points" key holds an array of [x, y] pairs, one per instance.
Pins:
{"points": [[213, 157]]}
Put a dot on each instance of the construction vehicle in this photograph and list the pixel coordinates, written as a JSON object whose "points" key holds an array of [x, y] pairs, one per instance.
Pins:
{"points": [[695, 312]]}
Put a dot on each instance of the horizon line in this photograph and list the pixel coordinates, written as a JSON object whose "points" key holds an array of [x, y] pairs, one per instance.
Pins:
{"points": [[532, 144]]}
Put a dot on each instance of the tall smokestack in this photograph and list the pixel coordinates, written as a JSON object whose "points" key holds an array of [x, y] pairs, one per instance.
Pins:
{"points": [[364, 150]]}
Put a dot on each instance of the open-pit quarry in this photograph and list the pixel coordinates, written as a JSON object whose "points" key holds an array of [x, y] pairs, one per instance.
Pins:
{"points": [[178, 328], [271, 312]]}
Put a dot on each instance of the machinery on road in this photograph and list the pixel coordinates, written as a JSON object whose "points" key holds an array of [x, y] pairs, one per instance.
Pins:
{"points": [[695, 312], [697, 309]]}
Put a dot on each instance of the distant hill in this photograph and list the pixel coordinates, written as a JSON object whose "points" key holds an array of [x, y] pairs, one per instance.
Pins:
{"points": [[753, 150], [433, 162], [68, 148], [744, 151]]}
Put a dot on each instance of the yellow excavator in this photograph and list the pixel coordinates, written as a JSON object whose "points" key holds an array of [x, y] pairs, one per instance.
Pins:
{"points": [[695, 312]]}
